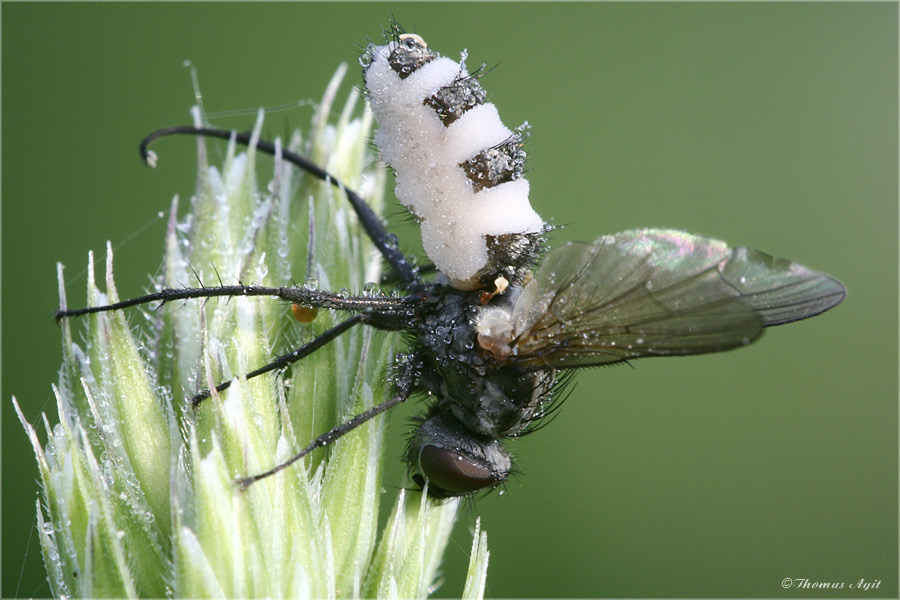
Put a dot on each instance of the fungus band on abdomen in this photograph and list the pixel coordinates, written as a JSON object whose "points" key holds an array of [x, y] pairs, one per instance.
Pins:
{"points": [[458, 168]]}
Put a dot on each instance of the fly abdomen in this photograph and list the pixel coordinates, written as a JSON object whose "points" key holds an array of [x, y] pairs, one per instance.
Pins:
{"points": [[458, 168]]}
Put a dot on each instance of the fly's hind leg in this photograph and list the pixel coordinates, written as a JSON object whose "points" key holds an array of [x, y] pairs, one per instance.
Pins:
{"points": [[384, 241]]}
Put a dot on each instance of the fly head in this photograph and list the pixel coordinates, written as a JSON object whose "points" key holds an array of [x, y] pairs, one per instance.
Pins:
{"points": [[453, 460]]}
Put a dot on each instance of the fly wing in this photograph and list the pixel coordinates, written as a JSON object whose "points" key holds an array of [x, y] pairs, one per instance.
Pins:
{"points": [[657, 292]]}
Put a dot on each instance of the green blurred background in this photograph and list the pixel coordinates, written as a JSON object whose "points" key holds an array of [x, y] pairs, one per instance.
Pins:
{"points": [[767, 125]]}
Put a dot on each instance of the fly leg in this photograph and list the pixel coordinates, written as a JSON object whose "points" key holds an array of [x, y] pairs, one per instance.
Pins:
{"points": [[386, 306], [387, 313], [385, 242], [405, 381], [286, 359]]}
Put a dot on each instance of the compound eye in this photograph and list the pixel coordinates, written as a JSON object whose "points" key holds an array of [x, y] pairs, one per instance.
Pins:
{"points": [[453, 473]]}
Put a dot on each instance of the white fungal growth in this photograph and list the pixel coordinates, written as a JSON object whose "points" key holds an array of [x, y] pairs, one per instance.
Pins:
{"points": [[458, 168]]}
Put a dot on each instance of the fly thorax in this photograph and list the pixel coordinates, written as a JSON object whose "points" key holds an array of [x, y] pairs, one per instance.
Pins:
{"points": [[447, 334], [493, 402], [471, 382], [508, 400]]}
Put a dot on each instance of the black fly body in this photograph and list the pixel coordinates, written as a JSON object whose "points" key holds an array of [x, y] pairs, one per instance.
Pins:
{"points": [[496, 332]]}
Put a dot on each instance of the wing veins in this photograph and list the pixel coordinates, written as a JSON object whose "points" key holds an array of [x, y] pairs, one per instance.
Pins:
{"points": [[651, 293]]}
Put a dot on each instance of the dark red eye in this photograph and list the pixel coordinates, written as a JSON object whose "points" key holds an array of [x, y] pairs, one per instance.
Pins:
{"points": [[453, 473]]}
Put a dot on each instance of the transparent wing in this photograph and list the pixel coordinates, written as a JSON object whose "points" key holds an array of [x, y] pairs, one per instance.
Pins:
{"points": [[657, 292]]}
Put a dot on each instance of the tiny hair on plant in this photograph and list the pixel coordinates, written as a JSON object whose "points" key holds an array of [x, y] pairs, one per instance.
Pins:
{"points": [[499, 329]]}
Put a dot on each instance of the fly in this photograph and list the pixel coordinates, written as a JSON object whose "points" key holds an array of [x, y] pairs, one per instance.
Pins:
{"points": [[497, 333]]}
